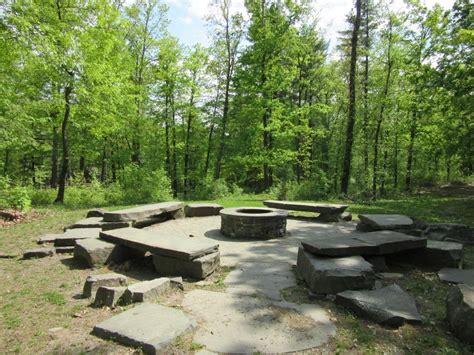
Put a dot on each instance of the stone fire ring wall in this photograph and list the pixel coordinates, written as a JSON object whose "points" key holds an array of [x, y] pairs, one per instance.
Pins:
{"points": [[253, 222]]}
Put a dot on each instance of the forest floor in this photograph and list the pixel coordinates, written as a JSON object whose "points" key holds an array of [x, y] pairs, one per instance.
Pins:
{"points": [[41, 313]]}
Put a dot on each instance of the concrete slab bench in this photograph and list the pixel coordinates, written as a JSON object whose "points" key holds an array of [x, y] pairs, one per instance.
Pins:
{"points": [[327, 212], [144, 212]]}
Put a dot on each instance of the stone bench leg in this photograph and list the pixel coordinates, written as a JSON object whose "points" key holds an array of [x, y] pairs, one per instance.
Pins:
{"points": [[329, 217]]}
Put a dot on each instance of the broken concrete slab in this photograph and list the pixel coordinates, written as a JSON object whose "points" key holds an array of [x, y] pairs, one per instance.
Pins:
{"points": [[389, 306], [457, 276], [93, 282], [142, 212], [262, 279], [146, 291], [38, 253], [98, 222], [372, 243], [69, 237], [460, 312], [198, 268], [96, 212], [108, 296], [97, 252], [174, 246], [325, 275], [436, 255], [460, 233], [242, 324], [386, 221], [48, 238], [202, 209], [150, 327]]}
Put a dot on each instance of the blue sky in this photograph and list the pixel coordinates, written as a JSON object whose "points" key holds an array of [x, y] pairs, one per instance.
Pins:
{"points": [[187, 17]]}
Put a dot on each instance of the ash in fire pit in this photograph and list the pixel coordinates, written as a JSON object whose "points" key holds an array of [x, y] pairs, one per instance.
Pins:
{"points": [[253, 223]]}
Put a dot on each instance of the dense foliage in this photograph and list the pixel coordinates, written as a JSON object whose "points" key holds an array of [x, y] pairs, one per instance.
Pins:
{"points": [[97, 93]]}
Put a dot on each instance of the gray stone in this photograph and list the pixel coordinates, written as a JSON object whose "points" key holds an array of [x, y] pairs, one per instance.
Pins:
{"points": [[146, 291], [97, 252], [378, 262], [108, 296], [98, 222], [96, 212], [198, 268], [460, 312], [70, 236], [259, 278], [460, 233], [202, 209], [175, 246], [306, 207], [457, 276], [38, 253], [47, 238], [142, 212], [64, 250], [177, 282], [435, 255], [93, 282], [373, 243], [390, 306], [332, 275], [387, 276], [253, 223], [150, 327], [386, 221], [346, 216], [250, 325]]}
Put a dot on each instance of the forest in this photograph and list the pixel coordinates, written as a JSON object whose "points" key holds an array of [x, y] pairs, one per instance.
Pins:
{"points": [[101, 105]]}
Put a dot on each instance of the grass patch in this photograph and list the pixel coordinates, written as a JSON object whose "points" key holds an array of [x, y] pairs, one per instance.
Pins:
{"points": [[55, 298]]}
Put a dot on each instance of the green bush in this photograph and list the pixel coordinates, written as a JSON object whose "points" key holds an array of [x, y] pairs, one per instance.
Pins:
{"points": [[141, 185], [92, 194], [209, 189], [13, 196], [313, 188], [42, 196]]}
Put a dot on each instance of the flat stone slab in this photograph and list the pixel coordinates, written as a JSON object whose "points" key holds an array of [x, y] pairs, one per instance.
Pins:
{"points": [[47, 238], [98, 222], [460, 233], [108, 296], [386, 221], [149, 326], [142, 212], [93, 282], [202, 209], [390, 306], [372, 243], [460, 312], [198, 268], [64, 250], [457, 276], [146, 290], [325, 275], [96, 212], [322, 208], [69, 237], [175, 246], [243, 324], [38, 253], [262, 279]]}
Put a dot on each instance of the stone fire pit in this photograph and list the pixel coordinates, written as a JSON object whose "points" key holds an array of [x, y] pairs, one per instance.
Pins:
{"points": [[253, 222]]}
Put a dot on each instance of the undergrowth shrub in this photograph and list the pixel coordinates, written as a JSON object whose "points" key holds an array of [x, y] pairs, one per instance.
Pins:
{"points": [[13, 196], [209, 189], [141, 185]]}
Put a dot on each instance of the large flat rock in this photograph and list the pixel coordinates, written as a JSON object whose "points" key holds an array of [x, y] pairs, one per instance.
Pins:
{"points": [[197, 268], [142, 212], [175, 246], [149, 326], [243, 324], [306, 207], [202, 209], [389, 306], [69, 237], [457, 276], [372, 243], [98, 222], [460, 312], [386, 221], [460, 233], [326, 275]]}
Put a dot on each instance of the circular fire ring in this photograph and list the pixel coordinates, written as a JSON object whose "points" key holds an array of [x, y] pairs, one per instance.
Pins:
{"points": [[253, 222]]}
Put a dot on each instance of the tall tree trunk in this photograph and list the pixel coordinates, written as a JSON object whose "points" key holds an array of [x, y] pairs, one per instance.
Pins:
{"points": [[346, 171], [395, 160], [225, 114], [6, 162], [65, 149], [366, 91], [187, 141], [167, 139], [208, 153], [174, 180], [53, 181], [103, 165], [413, 127]]}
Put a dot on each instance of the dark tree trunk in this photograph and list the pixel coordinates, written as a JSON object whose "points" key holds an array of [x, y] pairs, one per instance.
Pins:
{"points": [[188, 142], [103, 165], [53, 181], [33, 170], [225, 114], [395, 160], [410, 151], [366, 90], [65, 149], [346, 171], [174, 180], [167, 139], [6, 162], [209, 145]]}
